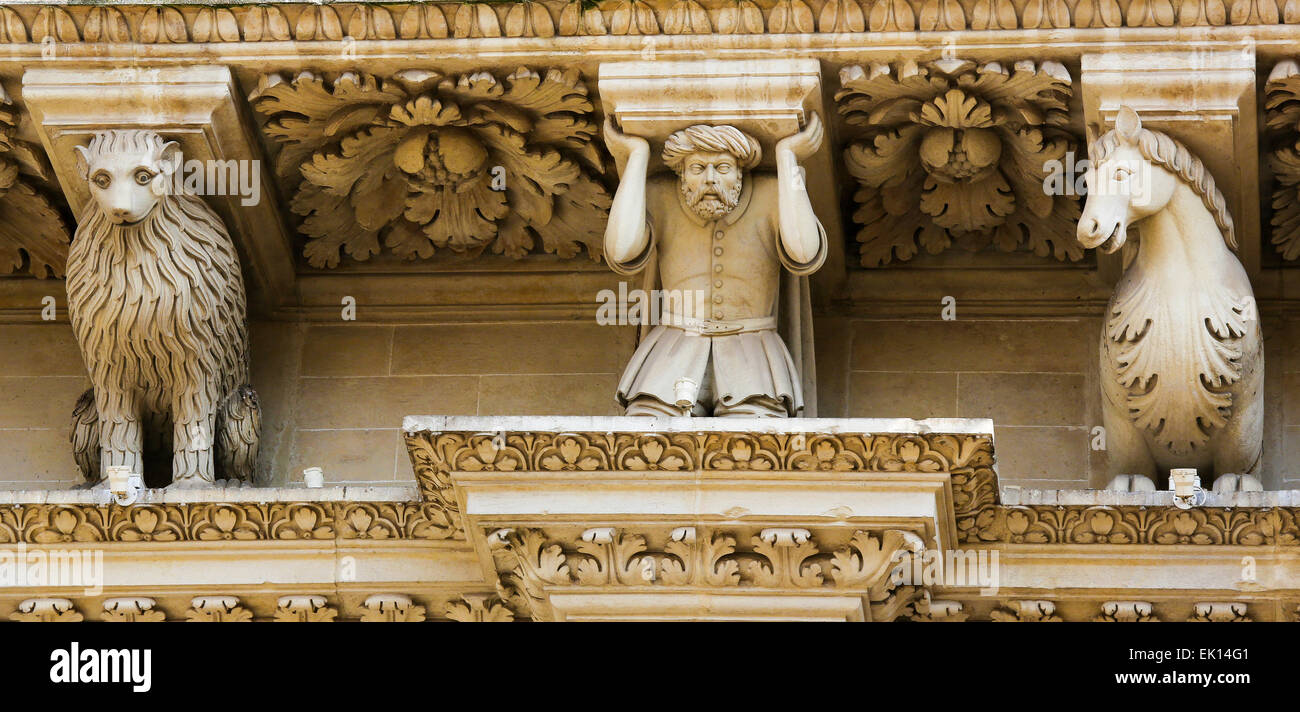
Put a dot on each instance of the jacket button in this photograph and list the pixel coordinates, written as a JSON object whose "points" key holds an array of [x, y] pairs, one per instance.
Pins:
{"points": [[717, 299], [717, 250]]}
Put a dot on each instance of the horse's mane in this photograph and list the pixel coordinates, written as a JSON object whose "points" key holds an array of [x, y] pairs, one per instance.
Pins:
{"points": [[1171, 154]]}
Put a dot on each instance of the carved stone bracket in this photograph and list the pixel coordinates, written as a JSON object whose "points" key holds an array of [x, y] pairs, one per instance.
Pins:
{"points": [[46, 610], [391, 608], [952, 152], [1220, 612], [133, 609], [1026, 612], [217, 609], [1205, 99], [194, 106], [1126, 612], [303, 609]]}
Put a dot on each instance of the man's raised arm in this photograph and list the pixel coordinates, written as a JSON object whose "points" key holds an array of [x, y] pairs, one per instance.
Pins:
{"points": [[627, 235], [802, 237]]}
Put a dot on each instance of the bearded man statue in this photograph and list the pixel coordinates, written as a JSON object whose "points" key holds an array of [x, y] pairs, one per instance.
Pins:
{"points": [[731, 249]]}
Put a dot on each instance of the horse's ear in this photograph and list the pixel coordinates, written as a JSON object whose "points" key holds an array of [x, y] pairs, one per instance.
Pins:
{"points": [[1090, 130], [1128, 124]]}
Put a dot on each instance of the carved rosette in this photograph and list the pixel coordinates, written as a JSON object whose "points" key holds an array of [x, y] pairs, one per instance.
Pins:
{"points": [[424, 161], [532, 562], [954, 152]]}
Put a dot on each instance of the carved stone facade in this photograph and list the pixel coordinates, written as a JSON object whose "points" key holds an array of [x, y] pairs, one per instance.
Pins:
{"points": [[395, 291]]}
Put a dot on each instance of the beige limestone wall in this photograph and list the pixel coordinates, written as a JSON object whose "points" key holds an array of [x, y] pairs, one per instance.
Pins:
{"points": [[334, 395], [355, 382], [1034, 378]]}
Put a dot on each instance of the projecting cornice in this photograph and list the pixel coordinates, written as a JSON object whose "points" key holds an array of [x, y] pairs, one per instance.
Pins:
{"points": [[303, 22]]}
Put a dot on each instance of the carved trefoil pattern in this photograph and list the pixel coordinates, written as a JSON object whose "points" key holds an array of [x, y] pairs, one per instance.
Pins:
{"points": [[952, 152], [423, 161]]}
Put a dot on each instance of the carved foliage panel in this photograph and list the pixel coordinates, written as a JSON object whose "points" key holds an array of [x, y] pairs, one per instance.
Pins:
{"points": [[423, 161], [952, 152]]}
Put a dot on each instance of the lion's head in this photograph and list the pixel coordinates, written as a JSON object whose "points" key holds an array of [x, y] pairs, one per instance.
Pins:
{"points": [[128, 171]]}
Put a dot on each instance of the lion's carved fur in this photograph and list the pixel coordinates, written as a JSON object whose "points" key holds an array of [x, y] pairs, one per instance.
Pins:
{"points": [[158, 309]]}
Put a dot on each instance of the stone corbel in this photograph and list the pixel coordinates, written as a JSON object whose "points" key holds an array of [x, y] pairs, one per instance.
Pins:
{"points": [[194, 106], [768, 99], [1205, 98]]}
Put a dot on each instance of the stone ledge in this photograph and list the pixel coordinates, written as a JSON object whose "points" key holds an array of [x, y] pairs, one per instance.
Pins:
{"points": [[1012, 495], [651, 425], [216, 494]]}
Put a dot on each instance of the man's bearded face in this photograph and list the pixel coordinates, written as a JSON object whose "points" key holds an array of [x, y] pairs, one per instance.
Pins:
{"points": [[710, 184]]}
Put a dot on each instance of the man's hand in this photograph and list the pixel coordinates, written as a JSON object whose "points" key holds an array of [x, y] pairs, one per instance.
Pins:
{"points": [[621, 145], [806, 142]]}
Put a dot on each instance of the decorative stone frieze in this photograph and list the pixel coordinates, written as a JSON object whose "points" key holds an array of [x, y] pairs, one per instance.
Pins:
{"points": [[1126, 612], [955, 152], [217, 609], [134, 609], [391, 608], [335, 21], [1026, 612], [440, 446], [304, 609], [426, 161], [46, 610], [230, 521], [1220, 612], [540, 573]]}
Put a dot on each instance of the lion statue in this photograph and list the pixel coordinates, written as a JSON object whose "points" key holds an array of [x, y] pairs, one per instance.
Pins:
{"points": [[156, 300]]}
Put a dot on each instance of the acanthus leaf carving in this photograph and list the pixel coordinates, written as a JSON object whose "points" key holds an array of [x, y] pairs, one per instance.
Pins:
{"points": [[952, 152], [428, 162]]}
